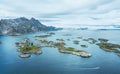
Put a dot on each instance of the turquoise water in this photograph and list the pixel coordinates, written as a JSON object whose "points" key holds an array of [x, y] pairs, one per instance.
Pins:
{"points": [[53, 62]]}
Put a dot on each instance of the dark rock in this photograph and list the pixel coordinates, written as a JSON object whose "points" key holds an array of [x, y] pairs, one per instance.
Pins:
{"points": [[21, 26], [59, 39], [103, 40], [76, 42], [85, 46], [90, 40]]}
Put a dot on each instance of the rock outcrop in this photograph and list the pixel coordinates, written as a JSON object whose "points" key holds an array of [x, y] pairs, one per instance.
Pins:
{"points": [[26, 48]]}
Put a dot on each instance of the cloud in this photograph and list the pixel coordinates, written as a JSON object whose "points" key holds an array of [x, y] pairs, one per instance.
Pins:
{"points": [[66, 12]]}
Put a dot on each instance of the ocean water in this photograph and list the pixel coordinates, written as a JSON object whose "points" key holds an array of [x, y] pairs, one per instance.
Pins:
{"points": [[53, 62]]}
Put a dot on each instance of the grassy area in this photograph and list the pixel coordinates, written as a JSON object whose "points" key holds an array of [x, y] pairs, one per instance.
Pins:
{"points": [[110, 47], [73, 49], [33, 49], [29, 49], [80, 51], [43, 36], [70, 49]]}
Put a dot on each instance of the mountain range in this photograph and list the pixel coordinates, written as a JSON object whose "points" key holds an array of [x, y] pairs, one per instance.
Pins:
{"points": [[22, 25]]}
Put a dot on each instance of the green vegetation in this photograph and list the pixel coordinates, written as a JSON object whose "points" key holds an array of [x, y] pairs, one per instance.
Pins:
{"points": [[70, 49], [61, 47], [80, 51], [29, 49], [26, 48], [110, 47], [43, 36], [47, 43], [73, 50]]}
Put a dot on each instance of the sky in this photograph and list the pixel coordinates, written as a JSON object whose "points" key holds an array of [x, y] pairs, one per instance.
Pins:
{"points": [[64, 13]]}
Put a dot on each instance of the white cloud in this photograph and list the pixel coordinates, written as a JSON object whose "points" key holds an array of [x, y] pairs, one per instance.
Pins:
{"points": [[65, 11]]}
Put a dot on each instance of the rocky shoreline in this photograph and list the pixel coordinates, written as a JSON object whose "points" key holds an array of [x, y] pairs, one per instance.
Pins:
{"points": [[70, 50], [110, 47], [80, 53], [27, 48]]}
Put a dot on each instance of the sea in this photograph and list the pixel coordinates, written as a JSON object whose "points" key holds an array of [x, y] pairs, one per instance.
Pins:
{"points": [[51, 61]]}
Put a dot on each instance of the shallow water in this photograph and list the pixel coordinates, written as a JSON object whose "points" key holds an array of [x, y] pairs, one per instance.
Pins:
{"points": [[53, 62]]}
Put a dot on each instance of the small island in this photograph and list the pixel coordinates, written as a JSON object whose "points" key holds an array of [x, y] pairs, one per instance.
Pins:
{"points": [[59, 39], [43, 36], [60, 45], [26, 48], [70, 50], [73, 51], [110, 47], [76, 42], [67, 35], [90, 40], [84, 46]]}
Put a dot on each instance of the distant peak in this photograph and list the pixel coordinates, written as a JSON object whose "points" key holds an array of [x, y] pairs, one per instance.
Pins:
{"points": [[22, 18], [33, 18]]}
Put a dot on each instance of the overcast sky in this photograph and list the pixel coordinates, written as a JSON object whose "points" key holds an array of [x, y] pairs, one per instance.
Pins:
{"points": [[64, 12]]}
